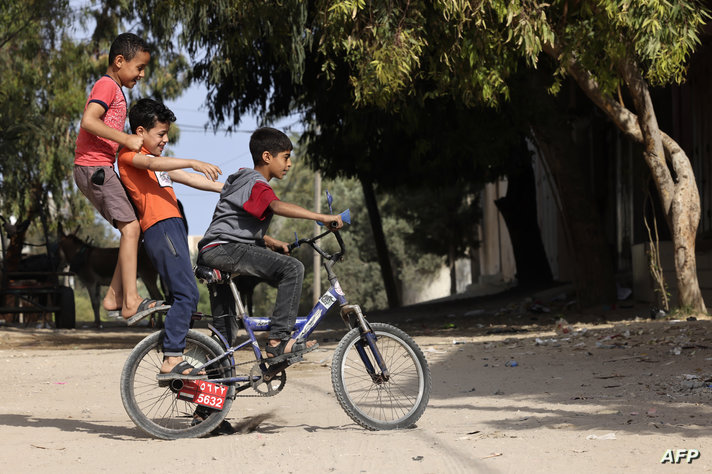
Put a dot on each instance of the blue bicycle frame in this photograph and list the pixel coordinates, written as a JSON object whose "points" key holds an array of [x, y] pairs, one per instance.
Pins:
{"points": [[304, 326]]}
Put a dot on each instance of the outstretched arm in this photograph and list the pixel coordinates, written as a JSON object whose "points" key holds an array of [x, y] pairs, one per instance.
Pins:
{"points": [[167, 163], [287, 209], [195, 180]]}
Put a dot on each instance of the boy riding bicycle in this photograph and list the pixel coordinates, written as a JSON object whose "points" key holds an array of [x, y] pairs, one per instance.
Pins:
{"points": [[236, 240]]}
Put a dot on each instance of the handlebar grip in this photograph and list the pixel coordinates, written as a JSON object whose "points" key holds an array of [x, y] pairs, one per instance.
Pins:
{"points": [[281, 250], [333, 224]]}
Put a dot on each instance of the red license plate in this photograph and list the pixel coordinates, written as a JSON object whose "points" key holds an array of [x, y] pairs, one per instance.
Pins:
{"points": [[204, 393]]}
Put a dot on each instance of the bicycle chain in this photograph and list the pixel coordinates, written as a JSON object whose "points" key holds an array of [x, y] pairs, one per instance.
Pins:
{"points": [[258, 394]]}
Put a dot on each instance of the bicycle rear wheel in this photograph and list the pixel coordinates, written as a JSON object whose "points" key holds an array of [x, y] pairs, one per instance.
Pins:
{"points": [[373, 400], [156, 409]]}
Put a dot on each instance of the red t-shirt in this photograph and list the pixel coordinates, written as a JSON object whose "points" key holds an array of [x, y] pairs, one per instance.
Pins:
{"points": [[96, 151], [151, 191]]}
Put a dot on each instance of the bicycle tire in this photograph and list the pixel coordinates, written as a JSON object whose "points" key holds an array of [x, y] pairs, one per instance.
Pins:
{"points": [[396, 403], [156, 409]]}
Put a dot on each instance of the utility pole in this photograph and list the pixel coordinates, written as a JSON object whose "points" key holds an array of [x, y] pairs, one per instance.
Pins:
{"points": [[317, 257]]}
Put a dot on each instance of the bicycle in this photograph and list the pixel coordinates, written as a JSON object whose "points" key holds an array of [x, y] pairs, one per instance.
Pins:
{"points": [[379, 374]]}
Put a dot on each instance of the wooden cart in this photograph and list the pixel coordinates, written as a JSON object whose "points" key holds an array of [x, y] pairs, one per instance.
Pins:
{"points": [[36, 292]]}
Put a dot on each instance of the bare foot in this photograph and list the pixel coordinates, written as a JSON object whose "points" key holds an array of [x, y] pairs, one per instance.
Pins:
{"points": [[112, 301], [288, 347]]}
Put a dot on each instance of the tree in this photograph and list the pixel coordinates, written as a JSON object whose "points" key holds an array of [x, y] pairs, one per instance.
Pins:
{"points": [[41, 96], [550, 124], [273, 67], [46, 74], [415, 265], [605, 46]]}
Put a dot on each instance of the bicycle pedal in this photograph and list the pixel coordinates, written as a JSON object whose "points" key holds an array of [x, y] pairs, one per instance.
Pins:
{"points": [[283, 363], [295, 359]]}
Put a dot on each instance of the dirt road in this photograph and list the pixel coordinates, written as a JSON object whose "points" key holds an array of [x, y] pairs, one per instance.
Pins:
{"points": [[594, 397]]}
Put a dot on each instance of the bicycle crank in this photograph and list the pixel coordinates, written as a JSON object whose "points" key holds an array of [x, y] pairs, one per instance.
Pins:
{"points": [[267, 385]]}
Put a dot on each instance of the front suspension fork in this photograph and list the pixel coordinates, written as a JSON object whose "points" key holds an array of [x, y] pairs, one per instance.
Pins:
{"points": [[354, 318]]}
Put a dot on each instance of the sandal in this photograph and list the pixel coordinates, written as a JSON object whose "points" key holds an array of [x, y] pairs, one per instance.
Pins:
{"points": [[277, 354], [145, 308], [177, 373], [224, 428]]}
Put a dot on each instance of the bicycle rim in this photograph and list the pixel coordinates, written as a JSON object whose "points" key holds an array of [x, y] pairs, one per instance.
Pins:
{"points": [[156, 409], [379, 404]]}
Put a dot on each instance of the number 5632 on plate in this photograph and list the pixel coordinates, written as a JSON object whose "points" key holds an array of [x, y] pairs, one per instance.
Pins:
{"points": [[204, 393]]}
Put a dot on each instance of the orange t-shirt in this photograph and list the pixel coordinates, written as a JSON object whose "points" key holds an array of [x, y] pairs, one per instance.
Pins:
{"points": [[151, 191]]}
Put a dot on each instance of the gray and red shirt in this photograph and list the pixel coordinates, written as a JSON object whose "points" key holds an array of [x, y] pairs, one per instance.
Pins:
{"points": [[242, 213]]}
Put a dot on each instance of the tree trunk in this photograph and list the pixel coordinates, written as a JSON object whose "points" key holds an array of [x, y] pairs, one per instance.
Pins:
{"points": [[682, 200], [453, 269], [389, 281], [679, 197], [685, 215], [593, 268], [519, 210]]}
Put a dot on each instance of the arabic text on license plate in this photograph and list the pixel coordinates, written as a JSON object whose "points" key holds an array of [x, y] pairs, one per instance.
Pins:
{"points": [[205, 393]]}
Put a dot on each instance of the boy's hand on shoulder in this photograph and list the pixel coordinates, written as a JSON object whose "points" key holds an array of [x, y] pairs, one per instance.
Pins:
{"points": [[134, 142], [210, 171]]}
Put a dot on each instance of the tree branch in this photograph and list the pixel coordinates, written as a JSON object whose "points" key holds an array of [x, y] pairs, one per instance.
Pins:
{"points": [[624, 119]]}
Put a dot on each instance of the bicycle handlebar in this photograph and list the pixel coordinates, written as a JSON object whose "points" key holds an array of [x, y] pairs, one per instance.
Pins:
{"points": [[312, 243]]}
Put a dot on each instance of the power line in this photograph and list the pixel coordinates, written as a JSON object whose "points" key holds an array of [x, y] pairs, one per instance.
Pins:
{"points": [[206, 129], [189, 128]]}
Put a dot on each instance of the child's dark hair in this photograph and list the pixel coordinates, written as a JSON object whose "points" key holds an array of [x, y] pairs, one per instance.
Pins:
{"points": [[127, 45], [268, 139], [146, 112]]}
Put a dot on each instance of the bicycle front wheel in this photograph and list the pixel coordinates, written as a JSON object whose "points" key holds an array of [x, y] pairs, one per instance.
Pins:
{"points": [[156, 409], [377, 399]]}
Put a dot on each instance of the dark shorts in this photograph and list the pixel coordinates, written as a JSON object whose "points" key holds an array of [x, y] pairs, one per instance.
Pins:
{"points": [[109, 198]]}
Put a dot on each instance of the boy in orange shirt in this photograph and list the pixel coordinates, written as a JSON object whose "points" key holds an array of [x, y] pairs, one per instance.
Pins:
{"points": [[99, 137], [148, 178]]}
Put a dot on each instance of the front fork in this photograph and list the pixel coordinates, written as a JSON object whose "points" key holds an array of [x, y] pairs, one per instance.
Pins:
{"points": [[354, 318]]}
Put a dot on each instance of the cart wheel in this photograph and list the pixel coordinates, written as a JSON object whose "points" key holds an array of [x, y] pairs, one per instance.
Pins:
{"points": [[65, 318]]}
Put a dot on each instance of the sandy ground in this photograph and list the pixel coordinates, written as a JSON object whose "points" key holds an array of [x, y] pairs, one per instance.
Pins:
{"points": [[601, 394]]}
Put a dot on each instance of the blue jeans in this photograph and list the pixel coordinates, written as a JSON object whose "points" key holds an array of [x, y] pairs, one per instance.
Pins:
{"points": [[166, 243], [283, 271]]}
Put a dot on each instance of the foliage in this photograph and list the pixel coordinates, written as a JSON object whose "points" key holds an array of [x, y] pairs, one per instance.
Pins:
{"points": [[276, 66], [359, 273], [444, 221], [249, 53], [477, 45], [397, 60], [46, 76], [204, 299], [41, 96]]}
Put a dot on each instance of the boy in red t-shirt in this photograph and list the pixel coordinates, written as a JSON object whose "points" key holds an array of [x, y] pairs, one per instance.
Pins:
{"points": [[99, 137], [148, 178]]}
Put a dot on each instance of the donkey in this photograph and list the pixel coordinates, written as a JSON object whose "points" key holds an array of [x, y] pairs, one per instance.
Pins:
{"points": [[95, 266]]}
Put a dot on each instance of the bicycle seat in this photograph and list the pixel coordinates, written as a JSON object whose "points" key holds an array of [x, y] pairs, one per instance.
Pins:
{"points": [[207, 274]]}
